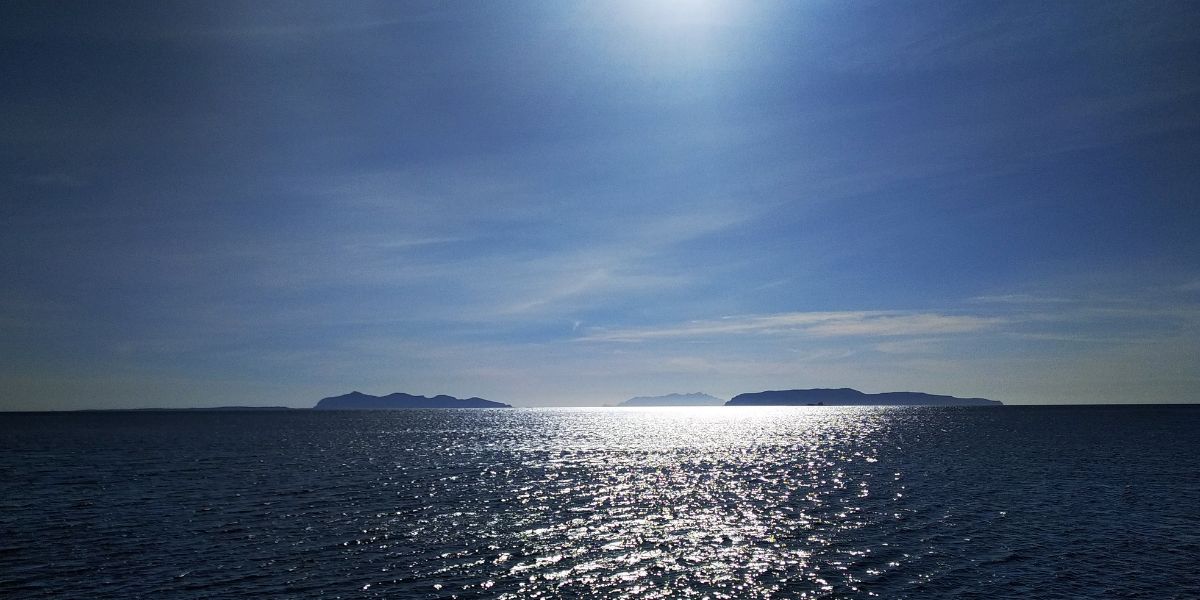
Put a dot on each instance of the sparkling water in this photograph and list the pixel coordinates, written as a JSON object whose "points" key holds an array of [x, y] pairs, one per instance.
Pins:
{"points": [[716, 502]]}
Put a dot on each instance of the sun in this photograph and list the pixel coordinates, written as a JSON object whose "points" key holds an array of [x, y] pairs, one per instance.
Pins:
{"points": [[678, 15]]}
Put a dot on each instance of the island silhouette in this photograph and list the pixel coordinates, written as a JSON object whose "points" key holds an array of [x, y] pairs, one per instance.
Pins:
{"points": [[693, 399], [852, 397], [799, 397], [360, 401]]}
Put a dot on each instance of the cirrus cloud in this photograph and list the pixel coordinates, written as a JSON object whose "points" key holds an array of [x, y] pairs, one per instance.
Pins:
{"points": [[812, 324]]}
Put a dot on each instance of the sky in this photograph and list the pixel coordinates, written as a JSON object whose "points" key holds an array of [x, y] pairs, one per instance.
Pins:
{"points": [[559, 203]]}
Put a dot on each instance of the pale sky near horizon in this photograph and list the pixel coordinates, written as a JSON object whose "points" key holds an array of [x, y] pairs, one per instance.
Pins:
{"points": [[215, 203]]}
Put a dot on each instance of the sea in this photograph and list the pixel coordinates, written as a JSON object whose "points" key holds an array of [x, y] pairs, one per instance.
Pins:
{"points": [[714, 502]]}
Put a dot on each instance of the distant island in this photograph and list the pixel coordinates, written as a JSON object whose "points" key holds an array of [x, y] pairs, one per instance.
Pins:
{"points": [[361, 401], [186, 409], [696, 399], [852, 397], [226, 408]]}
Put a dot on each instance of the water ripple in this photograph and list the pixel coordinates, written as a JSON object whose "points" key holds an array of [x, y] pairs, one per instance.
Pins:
{"points": [[603, 503]]}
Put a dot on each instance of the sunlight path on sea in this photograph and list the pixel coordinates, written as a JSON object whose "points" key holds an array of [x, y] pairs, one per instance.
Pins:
{"points": [[693, 502]]}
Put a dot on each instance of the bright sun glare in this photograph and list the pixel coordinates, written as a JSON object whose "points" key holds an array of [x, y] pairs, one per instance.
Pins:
{"points": [[678, 15]]}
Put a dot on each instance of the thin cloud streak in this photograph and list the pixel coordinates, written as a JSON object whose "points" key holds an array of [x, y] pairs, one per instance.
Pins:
{"points": [[812, 324], [1019, 299]]}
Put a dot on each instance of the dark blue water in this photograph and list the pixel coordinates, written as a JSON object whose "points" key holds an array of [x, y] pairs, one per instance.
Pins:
{"points": [[1087, 502]]}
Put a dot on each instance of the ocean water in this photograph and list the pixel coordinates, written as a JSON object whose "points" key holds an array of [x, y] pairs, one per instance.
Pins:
{"points": [[803, 502]]}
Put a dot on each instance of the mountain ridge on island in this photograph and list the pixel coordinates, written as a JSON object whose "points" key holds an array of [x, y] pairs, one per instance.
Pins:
{"points": [[693, 399], [852, 397], [359, 401]]}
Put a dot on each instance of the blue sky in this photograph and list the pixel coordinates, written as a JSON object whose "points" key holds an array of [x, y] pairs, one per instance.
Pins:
{"points": [[561, 203]]}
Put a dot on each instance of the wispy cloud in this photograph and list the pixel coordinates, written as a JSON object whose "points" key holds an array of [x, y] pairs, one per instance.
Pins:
{"points": [[911, 346], [1019, 299], [553, 285], [401, 243], [53, 179], [813, 324]]}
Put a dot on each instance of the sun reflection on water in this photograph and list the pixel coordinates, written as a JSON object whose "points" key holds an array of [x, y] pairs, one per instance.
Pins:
{"points": [[707, 501]]}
